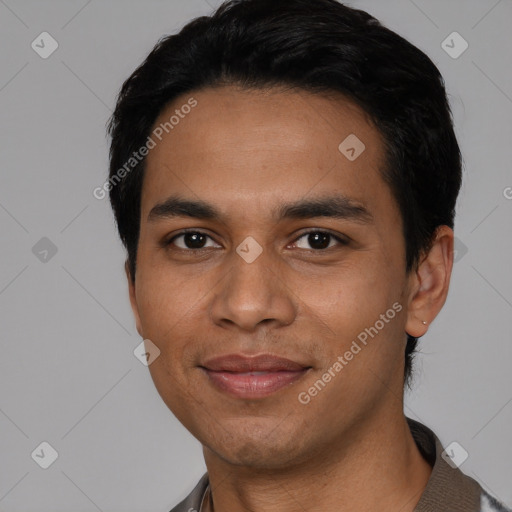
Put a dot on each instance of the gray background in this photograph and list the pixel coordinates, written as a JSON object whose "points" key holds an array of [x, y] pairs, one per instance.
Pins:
{"points": [[68, 375]]}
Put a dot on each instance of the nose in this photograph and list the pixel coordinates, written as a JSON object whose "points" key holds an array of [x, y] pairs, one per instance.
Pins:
{"points": [[253, 294]]}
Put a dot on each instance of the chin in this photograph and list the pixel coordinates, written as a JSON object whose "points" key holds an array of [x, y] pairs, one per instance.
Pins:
{"points": [[256, 455], [256, 445]]}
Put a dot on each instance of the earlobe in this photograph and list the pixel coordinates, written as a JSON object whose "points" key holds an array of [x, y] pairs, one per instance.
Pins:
{"points": [[430, 283], [133, 299]]}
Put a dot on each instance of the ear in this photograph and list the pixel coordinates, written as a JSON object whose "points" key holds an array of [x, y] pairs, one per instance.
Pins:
{"points": [[429, 283], [133, 299]]}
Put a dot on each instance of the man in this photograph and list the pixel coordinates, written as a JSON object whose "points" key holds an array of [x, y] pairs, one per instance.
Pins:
{"points": [[284, 177]]}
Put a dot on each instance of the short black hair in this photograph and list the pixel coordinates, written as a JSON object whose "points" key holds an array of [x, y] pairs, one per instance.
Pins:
{"points": [[320, 46]]}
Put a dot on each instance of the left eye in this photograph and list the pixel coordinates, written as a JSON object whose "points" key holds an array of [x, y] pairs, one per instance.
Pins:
{"points": [[320, 240], [191, 240]]}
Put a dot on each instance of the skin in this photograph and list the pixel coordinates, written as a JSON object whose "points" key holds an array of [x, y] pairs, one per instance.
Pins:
{"points": [[246, 153]]}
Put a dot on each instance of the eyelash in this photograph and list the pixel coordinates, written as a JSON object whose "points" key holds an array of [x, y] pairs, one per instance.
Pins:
{"points": [[168, 243]]}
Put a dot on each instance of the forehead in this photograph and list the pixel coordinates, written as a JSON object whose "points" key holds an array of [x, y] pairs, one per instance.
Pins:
{"points": [[263, 146]]}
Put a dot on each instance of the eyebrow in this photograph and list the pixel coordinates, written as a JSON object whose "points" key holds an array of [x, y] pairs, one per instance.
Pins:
{"points": [[336, 206]]}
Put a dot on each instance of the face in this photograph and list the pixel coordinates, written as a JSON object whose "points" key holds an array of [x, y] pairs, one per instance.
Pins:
{"points": [[267, 254]]}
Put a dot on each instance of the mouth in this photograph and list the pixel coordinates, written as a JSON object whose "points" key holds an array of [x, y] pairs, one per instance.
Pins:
{"points": [[252, 377]]}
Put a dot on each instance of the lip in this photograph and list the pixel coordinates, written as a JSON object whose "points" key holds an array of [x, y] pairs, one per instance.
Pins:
{"points": [[252, 376]]}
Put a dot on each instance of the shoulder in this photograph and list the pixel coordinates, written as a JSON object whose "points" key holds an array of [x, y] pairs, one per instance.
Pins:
{"points": [[192, 503], [448, 487], [490, 504]]}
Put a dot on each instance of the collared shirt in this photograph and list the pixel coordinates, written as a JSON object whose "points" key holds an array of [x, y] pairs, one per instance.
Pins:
{"points": [[447, 490]]}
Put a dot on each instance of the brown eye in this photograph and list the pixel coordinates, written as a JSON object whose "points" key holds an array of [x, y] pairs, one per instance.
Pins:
{"points": [[190, 240], [319, 240]]}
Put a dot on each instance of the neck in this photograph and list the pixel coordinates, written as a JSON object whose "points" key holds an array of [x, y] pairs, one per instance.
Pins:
{"points": [[377, 467]]}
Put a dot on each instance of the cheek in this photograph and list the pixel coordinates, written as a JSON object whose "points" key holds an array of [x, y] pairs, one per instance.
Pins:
{"points": [[350, 297], [165, 295], [358, 312], [173, 310], [166, 313]]}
